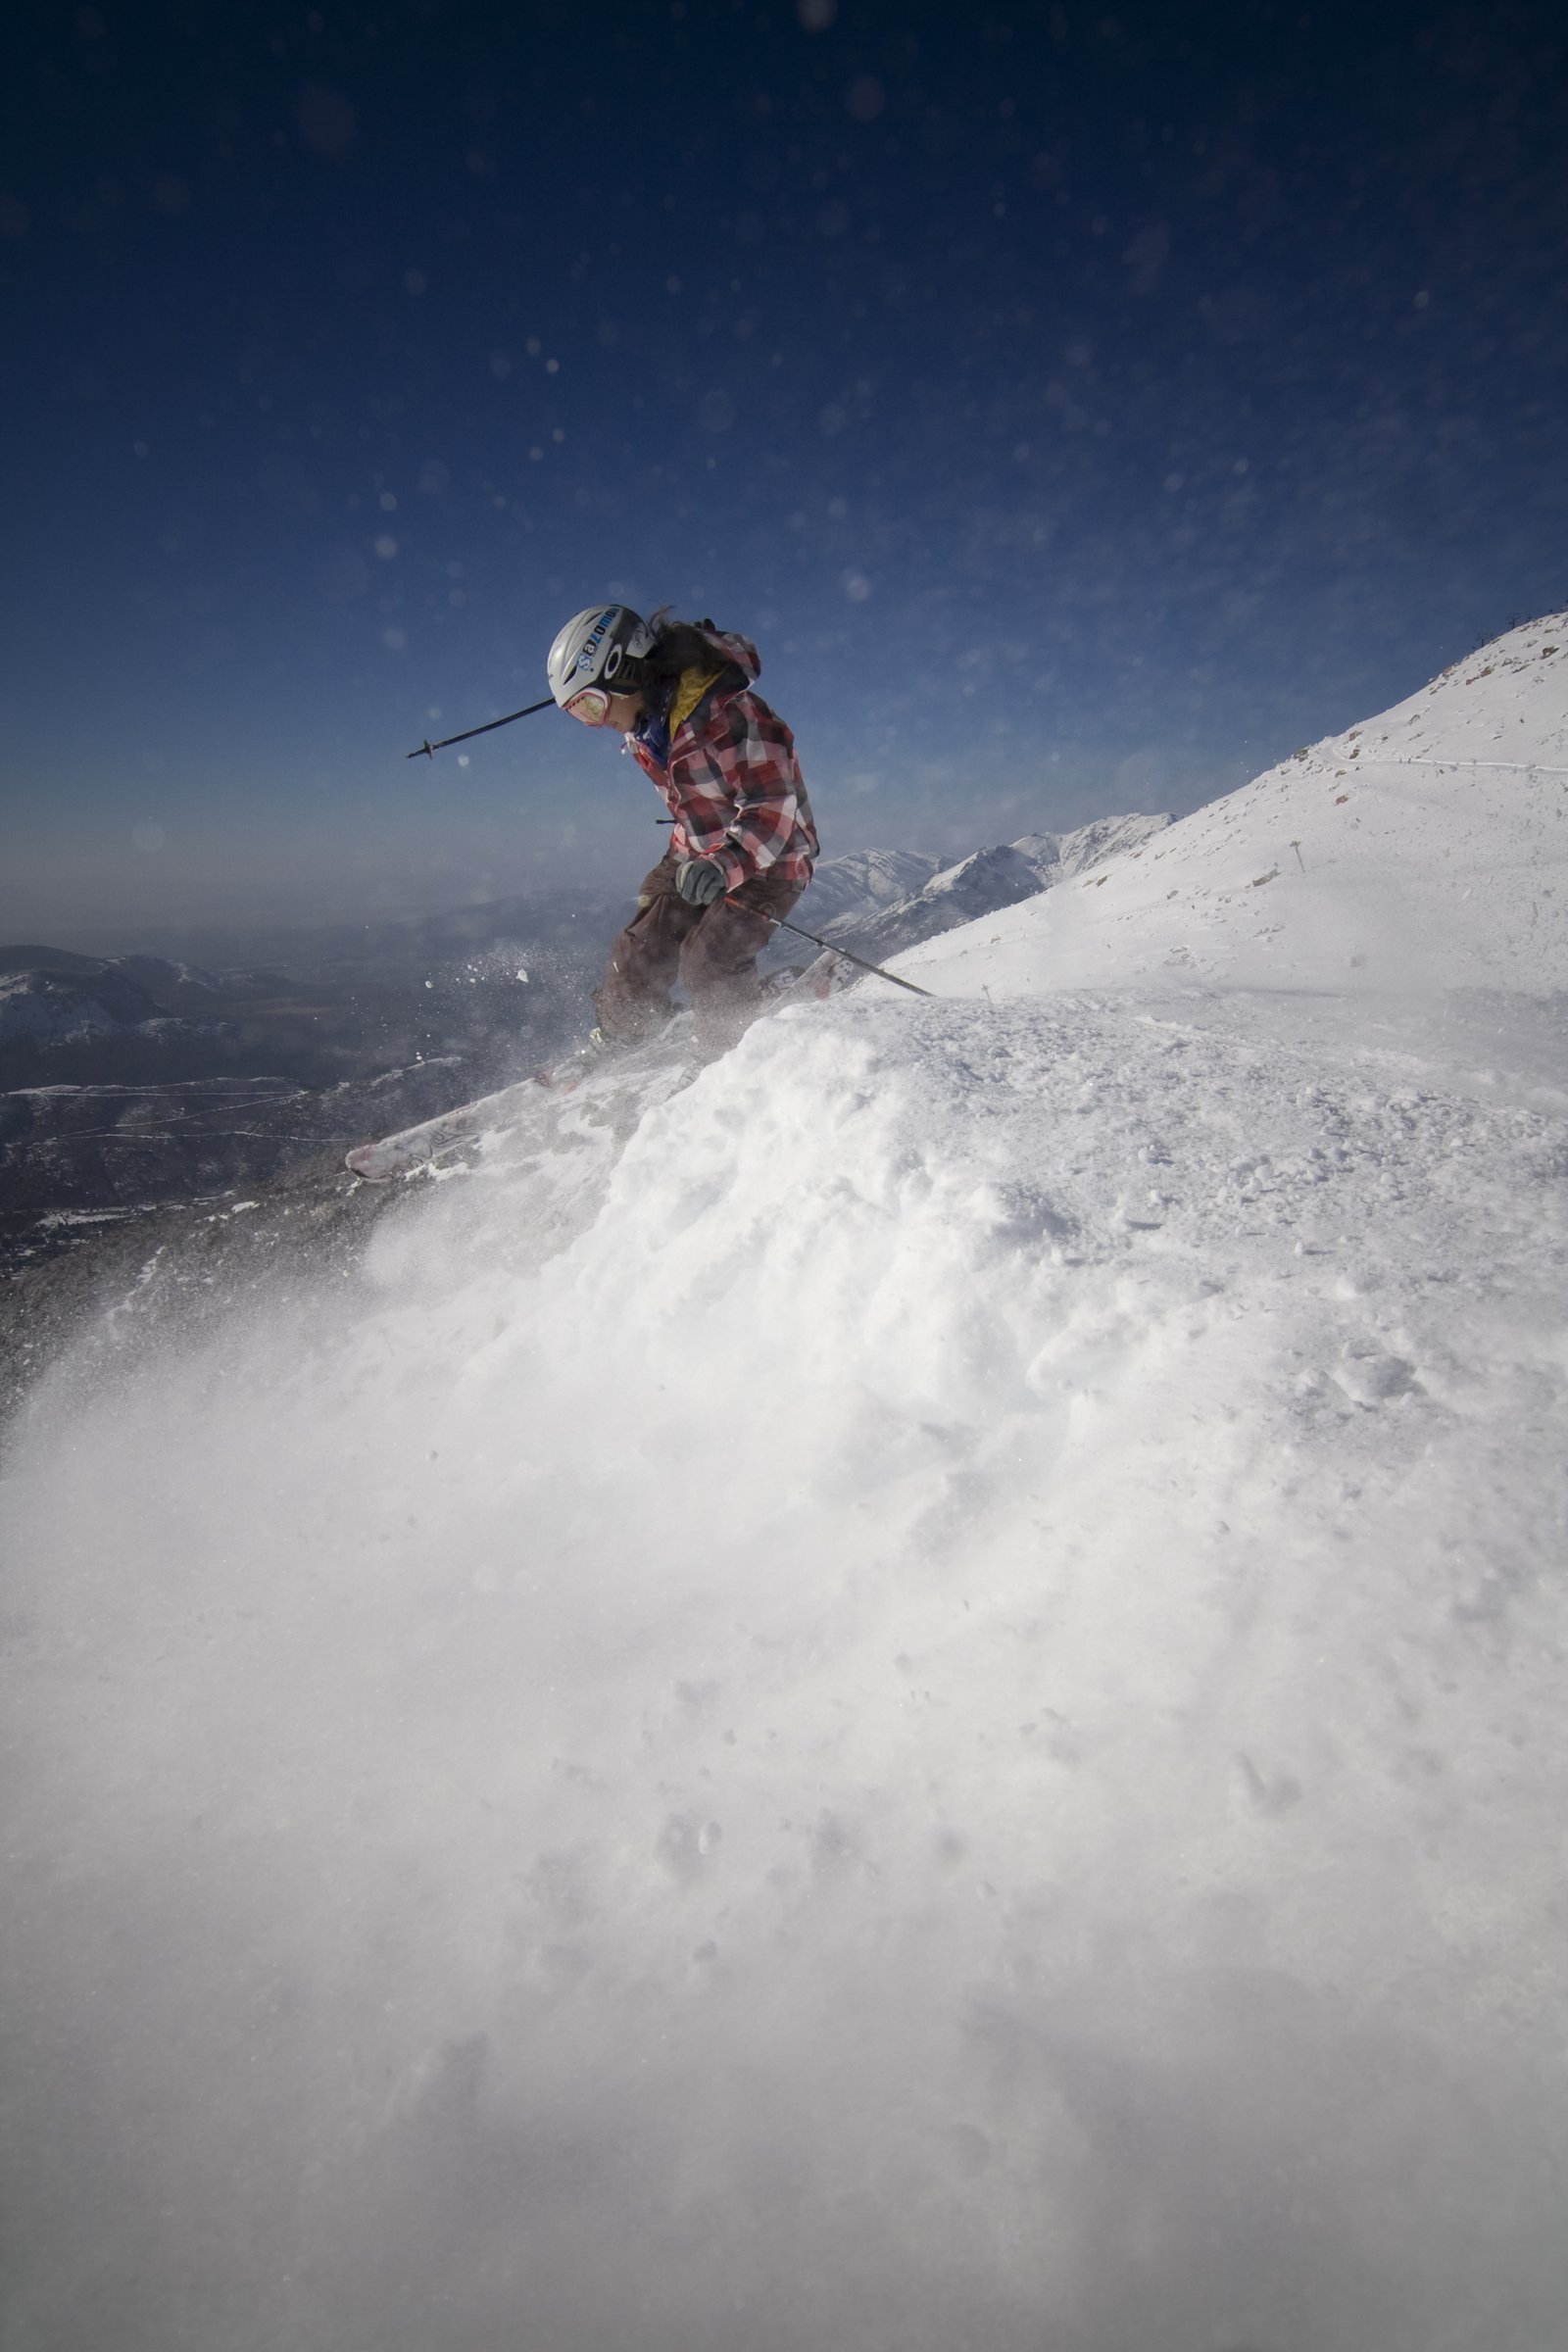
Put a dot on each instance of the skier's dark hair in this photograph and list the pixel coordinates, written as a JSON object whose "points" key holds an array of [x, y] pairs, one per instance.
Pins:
{"points": [[680, 645]]}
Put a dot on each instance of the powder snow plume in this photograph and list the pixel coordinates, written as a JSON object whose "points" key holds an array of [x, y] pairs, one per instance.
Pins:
{"points": [[916, 1705]]}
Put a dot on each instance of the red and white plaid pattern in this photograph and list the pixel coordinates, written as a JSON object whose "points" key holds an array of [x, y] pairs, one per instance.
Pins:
{"points": [[734, 785]]}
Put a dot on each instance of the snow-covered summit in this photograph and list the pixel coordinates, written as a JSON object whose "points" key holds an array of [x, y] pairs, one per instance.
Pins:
{"points": [[977, 885], [1057, 856], [863, 882]]}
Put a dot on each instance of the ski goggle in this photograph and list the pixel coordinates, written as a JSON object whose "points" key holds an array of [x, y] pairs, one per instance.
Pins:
{"points": [[592, 706]]}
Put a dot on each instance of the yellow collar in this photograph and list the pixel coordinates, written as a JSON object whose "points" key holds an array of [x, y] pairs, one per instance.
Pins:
{"points": [[694, 684]]}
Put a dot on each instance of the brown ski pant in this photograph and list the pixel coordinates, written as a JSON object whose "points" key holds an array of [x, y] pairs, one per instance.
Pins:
{"points": [[712, 950]]}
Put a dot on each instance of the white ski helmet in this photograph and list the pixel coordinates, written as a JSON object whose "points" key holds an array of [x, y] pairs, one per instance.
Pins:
{"points": [[589, 658]]}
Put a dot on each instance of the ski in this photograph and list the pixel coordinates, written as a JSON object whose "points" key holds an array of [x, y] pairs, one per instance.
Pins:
{"points": [[416, 1146], [413, 1149], [586, 1072]]}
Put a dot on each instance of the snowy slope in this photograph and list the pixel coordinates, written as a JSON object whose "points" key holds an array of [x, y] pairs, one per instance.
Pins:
{"points": [[916, 1702], [1426, 849]]}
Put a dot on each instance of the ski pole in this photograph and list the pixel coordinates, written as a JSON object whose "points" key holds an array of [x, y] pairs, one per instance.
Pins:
{"points": [[427, 751], [827, 946]]}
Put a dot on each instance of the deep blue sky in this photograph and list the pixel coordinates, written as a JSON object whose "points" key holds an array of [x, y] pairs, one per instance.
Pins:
{"points": [[1082, 406]]}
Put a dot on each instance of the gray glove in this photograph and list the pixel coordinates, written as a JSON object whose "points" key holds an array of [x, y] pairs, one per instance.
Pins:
{"points": [[700, 881]]}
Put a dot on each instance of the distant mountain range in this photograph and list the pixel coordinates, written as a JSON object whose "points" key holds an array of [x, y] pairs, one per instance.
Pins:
{"points": [[49, 998], [130, 1079], [880, 902]]}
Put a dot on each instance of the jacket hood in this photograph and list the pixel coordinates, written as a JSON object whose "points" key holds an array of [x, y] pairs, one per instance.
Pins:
{"points": [[739, 649]]}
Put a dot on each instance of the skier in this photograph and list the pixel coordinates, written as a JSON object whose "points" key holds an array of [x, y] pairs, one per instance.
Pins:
{"points": [[743, 844]]}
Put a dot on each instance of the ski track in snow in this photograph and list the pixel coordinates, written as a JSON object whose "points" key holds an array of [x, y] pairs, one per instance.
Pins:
{"points": [[912, 1700]]}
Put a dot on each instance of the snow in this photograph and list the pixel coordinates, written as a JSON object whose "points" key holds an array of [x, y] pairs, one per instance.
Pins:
{"points": [[915, 1702], [1425, 849]]}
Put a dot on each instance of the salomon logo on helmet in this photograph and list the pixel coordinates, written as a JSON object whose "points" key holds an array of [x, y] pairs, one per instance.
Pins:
{"points": [[594, 648]]}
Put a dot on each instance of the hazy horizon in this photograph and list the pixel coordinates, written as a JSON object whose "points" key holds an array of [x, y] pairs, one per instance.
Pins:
{"points": [[116, 898]]}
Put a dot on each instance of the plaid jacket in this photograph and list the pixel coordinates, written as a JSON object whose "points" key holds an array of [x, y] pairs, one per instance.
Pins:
{"points": [[733, 784]]}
